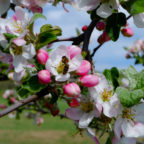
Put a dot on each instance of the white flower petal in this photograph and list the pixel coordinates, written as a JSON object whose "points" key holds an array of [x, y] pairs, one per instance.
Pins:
{"points": [[75, 63], [19, 62], [62, 77], [20, 13], [86, 4], [139, 112], [85, 120], [125, 140], [104, 10], [117, 127], [74, 113], [28, 51], [131, 129]]}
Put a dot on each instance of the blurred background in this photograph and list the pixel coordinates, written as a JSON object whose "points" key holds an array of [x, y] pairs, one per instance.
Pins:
{"points": [[54, 130]]}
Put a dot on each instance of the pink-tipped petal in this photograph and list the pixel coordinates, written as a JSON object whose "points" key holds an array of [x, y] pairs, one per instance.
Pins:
{"points": [[84, 68], [89, 80]]}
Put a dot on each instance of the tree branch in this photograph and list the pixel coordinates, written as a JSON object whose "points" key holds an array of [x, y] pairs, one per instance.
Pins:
{"points": [[88, 33], [95, 50], [21, 103]]}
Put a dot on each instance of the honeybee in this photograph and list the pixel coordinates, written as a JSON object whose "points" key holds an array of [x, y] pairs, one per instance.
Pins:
{"points": [[65, 61]]}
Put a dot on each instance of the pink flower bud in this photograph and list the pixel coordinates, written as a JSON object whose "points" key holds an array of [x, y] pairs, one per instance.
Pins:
{"points": [[103, 38], [84, 28], [89, 80], [74, 103], [36, 9], [128, 32], [44, 76], [2, 106], [72, 89], [74, 51], [13, 100], [42, 56], [84, 68], [100, 26]]}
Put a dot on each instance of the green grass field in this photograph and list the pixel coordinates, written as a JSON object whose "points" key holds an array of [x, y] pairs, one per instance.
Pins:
{"points": [[52, 131]]}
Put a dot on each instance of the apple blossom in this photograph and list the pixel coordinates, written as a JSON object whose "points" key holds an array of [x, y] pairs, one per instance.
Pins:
{"points": [[60, 64], [84, 113], [103, 94], [89, 80], [44, 76], [42, 56], [130, 122], [84, 68], [71, 89], [16, 25]]}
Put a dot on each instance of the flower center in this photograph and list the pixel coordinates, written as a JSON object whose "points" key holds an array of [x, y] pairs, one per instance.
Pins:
{"points": [[17, 50], [87, 107], [63, 66], [18, 26], [106, 95], [127, 113]]}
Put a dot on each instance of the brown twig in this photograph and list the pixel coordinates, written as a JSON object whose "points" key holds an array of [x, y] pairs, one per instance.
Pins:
{"points": [[21, 103], [95, 49]]}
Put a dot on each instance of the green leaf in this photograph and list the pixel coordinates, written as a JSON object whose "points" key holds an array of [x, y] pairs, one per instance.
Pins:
{"points": [[114, 24], [9, 37], [37, 16], [45, 27], [134, 6], [23, 92], [108, 76], [140, 80], [109, 141], [53, 29], [33, 85], [112, 76], [129, 98], [44, 38], [130, 73]]}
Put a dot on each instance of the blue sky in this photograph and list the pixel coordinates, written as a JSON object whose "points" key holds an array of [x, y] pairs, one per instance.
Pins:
{"points": [[109, 55]]}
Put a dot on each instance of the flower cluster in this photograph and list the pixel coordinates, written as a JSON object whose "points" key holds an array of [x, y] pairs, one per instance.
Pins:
{"points": [[136, 51], [110, 102]]}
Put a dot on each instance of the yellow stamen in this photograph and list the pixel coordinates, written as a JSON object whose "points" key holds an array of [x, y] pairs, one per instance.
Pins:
{"points": [[106, 95], [87, 107]]}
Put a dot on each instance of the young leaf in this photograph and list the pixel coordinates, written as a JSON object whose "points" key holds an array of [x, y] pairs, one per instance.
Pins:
{"points": [[44, 38], [134, 6], [33, 85], [114, 24], [37, 16], [129, 98]]}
